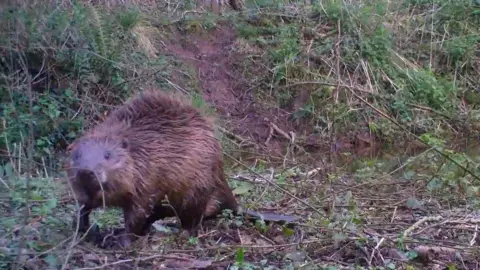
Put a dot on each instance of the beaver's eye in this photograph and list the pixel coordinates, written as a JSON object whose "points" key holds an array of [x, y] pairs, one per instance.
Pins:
{"points": [[107, 155], [124, 143]]}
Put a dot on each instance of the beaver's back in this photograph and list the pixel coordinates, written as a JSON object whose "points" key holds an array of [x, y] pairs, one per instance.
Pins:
{"points": [[172, 145]]}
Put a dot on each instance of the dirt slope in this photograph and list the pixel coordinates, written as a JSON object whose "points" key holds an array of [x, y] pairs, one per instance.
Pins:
{"points": [[218, 65]]}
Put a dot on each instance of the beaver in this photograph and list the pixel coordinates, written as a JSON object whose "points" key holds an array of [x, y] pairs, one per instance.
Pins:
{"points": [[156, 146]]}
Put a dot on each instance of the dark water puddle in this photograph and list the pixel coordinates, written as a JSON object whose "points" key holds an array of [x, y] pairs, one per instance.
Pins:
{"points": [[364, 152]]}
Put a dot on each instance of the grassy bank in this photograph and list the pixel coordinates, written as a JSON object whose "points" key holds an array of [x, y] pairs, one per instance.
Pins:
{"points": [[364, 111]]}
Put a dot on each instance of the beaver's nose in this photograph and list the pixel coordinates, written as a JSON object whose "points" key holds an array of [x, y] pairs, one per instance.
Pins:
{"points": [[85, 174]]}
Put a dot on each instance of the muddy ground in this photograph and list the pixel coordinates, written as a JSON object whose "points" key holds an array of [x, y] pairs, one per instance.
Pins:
{"points": [[218, 59]]}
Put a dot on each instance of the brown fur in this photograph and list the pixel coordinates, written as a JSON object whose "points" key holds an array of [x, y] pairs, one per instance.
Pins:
{"points": [[159, 147]]}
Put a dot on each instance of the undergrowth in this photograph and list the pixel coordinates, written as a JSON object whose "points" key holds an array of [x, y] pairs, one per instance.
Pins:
{"points": [[398, 56], [335, 67]]}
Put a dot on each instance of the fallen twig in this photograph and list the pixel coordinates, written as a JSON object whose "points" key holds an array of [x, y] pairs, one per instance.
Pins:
{"points": [[420, 222]]}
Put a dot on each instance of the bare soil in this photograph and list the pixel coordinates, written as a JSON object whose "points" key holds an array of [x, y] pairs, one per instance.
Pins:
{"points": [[218, 64]]}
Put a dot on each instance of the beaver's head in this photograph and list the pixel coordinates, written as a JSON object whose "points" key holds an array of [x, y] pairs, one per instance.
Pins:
{"points": [[96, 161]]}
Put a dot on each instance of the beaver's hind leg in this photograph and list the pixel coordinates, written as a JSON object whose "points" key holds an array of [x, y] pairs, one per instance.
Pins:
{"points": [[220, 200]]}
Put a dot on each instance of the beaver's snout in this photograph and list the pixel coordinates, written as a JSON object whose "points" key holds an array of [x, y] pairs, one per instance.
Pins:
{"points": [[84, 174], [91, 179], [86, 177]]}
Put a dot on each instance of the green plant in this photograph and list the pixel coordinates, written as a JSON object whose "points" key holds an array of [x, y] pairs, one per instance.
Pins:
{"points": [[70, 52]]}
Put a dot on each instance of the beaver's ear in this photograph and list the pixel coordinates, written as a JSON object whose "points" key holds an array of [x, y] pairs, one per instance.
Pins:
{"points": [[71, 146]]}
